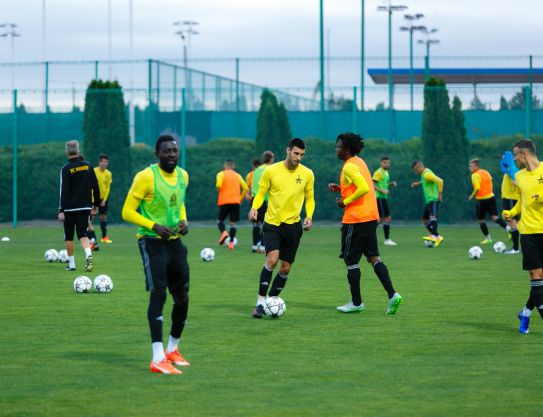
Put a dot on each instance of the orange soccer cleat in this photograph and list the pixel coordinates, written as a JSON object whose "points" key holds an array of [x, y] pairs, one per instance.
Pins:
{"points": [[106, 239], [164, 367], [176, 358], [223, 237]]}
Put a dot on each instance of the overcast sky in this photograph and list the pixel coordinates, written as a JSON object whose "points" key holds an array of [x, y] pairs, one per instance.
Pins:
{"points": [[78, 30]]}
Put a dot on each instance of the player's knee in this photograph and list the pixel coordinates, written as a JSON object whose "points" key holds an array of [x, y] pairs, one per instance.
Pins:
{"points": [[181, 298], [284, 269], [387, 220], [373, 260], [157, 298], [536, 274]]}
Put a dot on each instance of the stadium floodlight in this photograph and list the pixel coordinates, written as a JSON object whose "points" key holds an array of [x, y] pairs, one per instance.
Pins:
{"points": [[412, 28], [189, 31], [12, 33], [428, 41]]}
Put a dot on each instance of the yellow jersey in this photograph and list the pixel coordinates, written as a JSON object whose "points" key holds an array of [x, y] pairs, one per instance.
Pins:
{"points": [[287, 190], [104, 182], [530, 208], [509, 189]]}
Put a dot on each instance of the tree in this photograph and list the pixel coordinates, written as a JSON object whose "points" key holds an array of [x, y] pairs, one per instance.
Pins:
{"points": [[477, 104], [340, 103], [504, 105], [105, 129], [518, 102], [272, 126]]}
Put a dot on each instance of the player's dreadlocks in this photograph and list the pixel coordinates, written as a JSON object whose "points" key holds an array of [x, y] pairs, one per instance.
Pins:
{"points": [[352, 142]]}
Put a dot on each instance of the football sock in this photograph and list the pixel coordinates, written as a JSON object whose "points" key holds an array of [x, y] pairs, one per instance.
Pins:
{"points": [[172, 343], [256, 233], [536, 294], [526, 312], [232, 233], [353, 276], [278, 284], [260, 300], [484, 228], [501, 222], [386, 229], [91, 235], [515, 236], [432, 227], [221, 226], [88, 252], [157, 299], [382, 273], [158, 352], [71, 261], [180, 310], [265, 278], [103, 227]]}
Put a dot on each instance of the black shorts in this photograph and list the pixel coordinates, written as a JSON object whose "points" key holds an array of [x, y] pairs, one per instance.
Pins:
{"points": [[430, 210], [508, 204], [78, 220], [164, 263], [229, 210], [532, 251], [262, 212], [358, 239], [382, 206], [285, 238], [482, 207]]}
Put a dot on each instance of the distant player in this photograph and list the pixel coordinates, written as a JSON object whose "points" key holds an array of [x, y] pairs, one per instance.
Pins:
{"points": [[485, 200], [382, 183], [79, 197], [104, 181], [530, 206], [359, 223], [510, 195], [228, 184], [249, 178], [258, 236], [432, 188], [156, 203], [288, 183]]}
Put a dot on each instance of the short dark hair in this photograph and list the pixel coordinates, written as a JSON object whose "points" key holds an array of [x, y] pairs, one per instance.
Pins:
{"points": [[385, 158], [296, 142], [475, 161], [525, 144], [267, 157], [164, 138], [415, 162], [103, 156], [256, 162], [353, 142]]}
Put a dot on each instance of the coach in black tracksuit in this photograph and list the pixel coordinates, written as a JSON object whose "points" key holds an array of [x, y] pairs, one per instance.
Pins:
{"points": [[79, 195]]}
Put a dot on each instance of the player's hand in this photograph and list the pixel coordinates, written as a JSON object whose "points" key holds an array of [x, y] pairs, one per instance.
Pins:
{"points": [[308, 223], [103, 203], [334, 188], [470, 197], [253, 215], [61, 216], [248, 197], [415, 184], [393, 183], [385, 192], [440, 196], [506, 214], [94, 210], [340, 203], [183, 228], [163, 231]]}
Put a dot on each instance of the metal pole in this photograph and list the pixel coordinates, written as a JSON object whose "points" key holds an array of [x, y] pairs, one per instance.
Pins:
{"points": [[411, 64], [362, 67], [131, 115], [183, 130], [389, 77], [237, 85], [95, 70], [321, 11], [174, 88], [15, 158], [527, 112], [355, 124], [426, 68], [109, 39], [46, 100]]}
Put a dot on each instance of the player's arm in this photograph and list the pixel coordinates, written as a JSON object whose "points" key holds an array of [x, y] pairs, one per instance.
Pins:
{"points": [[377, 177], [515, 211], [218, 181], [95, 188], [415, 184], [107, 188], [244, 188], [64, 178], [435, 179], [183, 225], [263, 186], [309, 192], [353, 176], [476, 183]]}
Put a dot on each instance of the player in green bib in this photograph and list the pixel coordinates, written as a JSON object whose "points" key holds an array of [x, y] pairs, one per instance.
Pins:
{"points": [[258, 238], [432, 188], [382, 183], [159, 194]]}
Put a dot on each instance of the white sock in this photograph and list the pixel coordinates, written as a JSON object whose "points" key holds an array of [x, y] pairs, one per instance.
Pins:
{"points": [[71, 261], [526, 312], [261, 300], [88, 252], [172, 344], [488, 237], [158, 352]]}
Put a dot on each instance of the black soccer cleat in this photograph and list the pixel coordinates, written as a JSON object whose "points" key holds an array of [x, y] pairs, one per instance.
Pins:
{"points": [[258, 312]]}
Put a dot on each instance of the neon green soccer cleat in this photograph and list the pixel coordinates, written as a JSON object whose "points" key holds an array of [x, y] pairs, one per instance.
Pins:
{"points": [[394, 303]]}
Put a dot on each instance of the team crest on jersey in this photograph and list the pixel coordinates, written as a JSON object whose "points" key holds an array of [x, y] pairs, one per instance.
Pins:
{"points": [[540, 180], [298, 179], [173, 200]]}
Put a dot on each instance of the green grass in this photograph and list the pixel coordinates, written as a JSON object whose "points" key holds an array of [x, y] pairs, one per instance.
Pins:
{"points": [[453, 349]]}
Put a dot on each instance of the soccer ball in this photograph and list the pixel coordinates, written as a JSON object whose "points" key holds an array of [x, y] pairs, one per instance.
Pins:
{"points": [[429, 243], [274, 307], [51, 255], [227, 241], [475, 252], [103, 284], [207, 254], [63, 255], [82, 284], [499, 247]]}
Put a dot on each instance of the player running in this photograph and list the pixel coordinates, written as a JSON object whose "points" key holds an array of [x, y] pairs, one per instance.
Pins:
{"points": [[258, 235], [382, 183]]}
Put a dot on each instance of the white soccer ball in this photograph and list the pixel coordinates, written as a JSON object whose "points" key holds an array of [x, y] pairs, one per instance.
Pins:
{"points": [[51, 255], [227, 241], [274, 307], [475, 252], [429, 243], [63, 255], [103, 284], [5, 239], [82, 284], [499, 247], [207, 254]]}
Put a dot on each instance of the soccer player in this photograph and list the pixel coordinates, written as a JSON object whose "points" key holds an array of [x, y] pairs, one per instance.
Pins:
{"points": [[530, 206], [485, 200], [258, 236], [381, 180], [432, 188], [156, 203], [249, 178], [228, 185], [510, 193], [288, 183], [359, 223], [104, 181], [79, 196]]}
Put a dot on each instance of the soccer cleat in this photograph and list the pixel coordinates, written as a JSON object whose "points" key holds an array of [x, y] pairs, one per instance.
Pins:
{"points": [[438, 241], [106, 239], [486, 241], [350, 308], [262, 249], [430, 238], [223, 237], [231, 245], [394, 303], [88, 264], [524, 324], [69, 269], [164, 367], [258, 312], [254, 249], [512, 252], [390, 242], [176, 358]]}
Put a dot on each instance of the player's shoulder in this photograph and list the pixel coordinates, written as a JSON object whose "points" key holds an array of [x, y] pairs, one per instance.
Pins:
{"points": [[145, 174]]}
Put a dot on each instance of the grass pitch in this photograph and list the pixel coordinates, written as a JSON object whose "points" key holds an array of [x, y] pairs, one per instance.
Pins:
{"points": [[453, 349]]}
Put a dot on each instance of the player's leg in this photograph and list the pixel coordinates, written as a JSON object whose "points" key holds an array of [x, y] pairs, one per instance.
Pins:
{"points": [[234, 218], [514, 234], [102, 210], [92, 235], [351, 252], [273, 243], [260, 217], [223, 212], [291, 235], [532, 261], [480, 214], [153, 254], [69, 229], [82, 219], [256, 236]]}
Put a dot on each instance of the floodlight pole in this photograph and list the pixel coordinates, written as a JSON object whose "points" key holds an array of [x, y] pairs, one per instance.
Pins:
{"points": [[14, 145], [411, 29], [322, 80], [362, 57]]}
